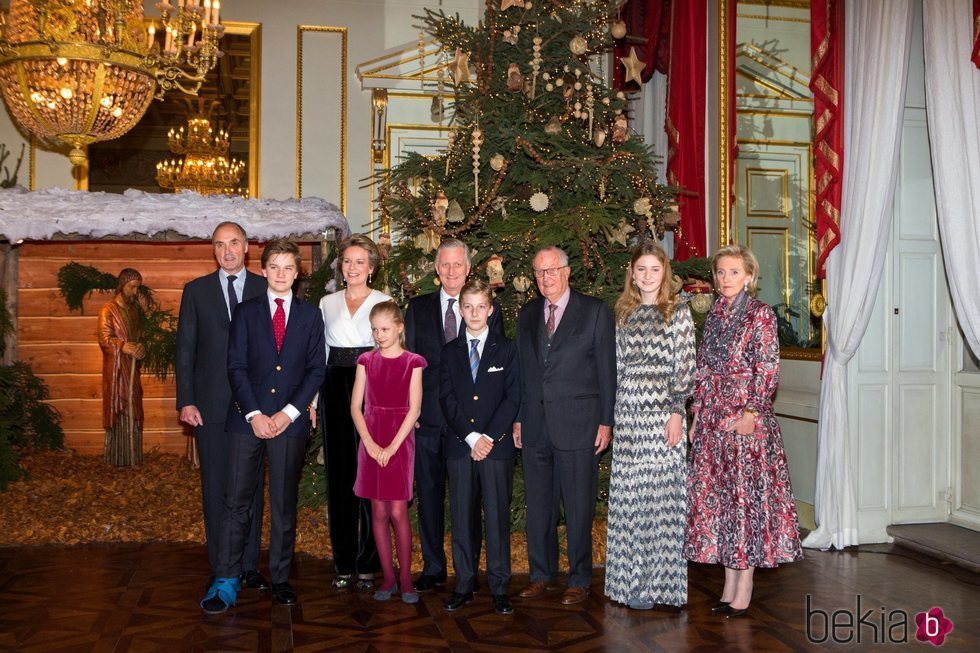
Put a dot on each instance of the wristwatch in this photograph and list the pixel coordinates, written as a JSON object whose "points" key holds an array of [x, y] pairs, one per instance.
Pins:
{"points": [[751, 411]]}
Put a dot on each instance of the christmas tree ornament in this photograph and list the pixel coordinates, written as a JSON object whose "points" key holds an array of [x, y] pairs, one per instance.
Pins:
{"points": [[497, 162], [620, 129], [553, 127], [642, 206], [621, 233], [559, 81], [578, 45], [590, 104], [500, 204], [618, 29], [495, 271], [436, 109], [521, 283], [634, 67], [507, 4], [577, 86], [514, 81], [440, 204], [477, 139], [536, 64], [539, 202], [384, 246], [599, 136], [510, 37], [427, 241], [455, 213], [602, 188], [461, 67], [450, 140], [549, 87]]}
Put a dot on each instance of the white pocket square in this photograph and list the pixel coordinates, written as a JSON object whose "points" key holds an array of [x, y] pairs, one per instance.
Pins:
{"points": [[495, 369]]}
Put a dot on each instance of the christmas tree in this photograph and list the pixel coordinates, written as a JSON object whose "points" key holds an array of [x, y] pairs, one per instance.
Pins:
{"points": [[540, 153]]}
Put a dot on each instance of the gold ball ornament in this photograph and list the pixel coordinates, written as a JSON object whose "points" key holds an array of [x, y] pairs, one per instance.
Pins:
{"points": [[497, 162], [701, 303], [618, 29], [578, 45], [522, 283]]}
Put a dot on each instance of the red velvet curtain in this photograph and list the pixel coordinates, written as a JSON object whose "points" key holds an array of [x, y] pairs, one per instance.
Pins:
{"points": [[976, 33], [685, 124], [827, 84], [649, 20]]}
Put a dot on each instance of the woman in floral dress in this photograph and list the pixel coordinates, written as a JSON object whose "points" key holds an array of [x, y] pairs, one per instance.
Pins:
{"points": [[645, 562], [741, 510]]}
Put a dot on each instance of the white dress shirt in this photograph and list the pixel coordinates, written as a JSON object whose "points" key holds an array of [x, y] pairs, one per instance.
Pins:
{"points": [[481, 339], [287, 303], [239, 284]]}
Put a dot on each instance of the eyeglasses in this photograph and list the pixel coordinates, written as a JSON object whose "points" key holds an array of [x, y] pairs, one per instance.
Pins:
{"points": [[548, 272]]}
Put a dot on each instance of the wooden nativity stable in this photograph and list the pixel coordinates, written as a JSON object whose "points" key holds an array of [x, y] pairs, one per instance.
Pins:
{"points": [[166, 238]]}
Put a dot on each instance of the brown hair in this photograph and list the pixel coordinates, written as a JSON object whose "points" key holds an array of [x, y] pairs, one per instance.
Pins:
{"points": [[365, 243], [477, 286], [630, 298], [281, 246], [749, 262], [390, 309], [125, 276]]}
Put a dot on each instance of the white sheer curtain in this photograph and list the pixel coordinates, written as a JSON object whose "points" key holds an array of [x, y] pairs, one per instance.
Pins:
{"points": [[953, 108], [877, 35]]}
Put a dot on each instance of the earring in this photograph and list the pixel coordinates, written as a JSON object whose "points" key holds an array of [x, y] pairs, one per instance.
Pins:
{"points": [[746, 286], [370, 275]]}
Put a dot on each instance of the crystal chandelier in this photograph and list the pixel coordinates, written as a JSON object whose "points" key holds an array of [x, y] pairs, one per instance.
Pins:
{"points": [[206, 167], [82, 71]]}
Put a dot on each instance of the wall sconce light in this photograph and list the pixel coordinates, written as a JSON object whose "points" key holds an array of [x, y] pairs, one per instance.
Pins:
{"points": [[379, 119]]}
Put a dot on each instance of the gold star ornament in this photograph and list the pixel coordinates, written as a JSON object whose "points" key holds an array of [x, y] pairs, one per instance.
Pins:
{"points": [[507, 4], [634, 67], [461, 67]]}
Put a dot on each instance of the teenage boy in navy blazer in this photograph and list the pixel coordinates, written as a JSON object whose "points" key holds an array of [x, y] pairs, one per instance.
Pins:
{"points": [[276, 364], [480, 395]]}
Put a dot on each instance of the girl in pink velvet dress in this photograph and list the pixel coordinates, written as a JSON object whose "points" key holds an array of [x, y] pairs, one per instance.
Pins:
{"points": [[385, 403]]}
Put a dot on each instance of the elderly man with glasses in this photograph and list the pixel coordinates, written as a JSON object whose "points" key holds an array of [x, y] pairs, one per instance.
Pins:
{"points": [[567, 349]]}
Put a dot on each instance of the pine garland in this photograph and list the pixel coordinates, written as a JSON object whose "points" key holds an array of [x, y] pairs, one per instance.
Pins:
{"points": [[26, 420]]}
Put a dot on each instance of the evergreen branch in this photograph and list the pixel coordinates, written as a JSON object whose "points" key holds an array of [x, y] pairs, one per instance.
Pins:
{"points": [[77, 281]]}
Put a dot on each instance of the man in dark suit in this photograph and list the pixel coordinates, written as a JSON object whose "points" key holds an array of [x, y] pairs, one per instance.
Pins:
{"points": [[276, 363], [567, 348], [480, 396], [431, 321], [203, 393]]}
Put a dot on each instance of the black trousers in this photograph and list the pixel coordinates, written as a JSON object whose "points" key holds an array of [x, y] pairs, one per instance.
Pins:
{"points": [[351, 535], [430, 492], [572, 477], [286, 456], [213, 450], [491, 480]]}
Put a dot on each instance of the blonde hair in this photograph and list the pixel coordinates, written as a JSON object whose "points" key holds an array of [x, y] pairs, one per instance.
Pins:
{"points": [[389, 309], [630, 298], [749, 262]]}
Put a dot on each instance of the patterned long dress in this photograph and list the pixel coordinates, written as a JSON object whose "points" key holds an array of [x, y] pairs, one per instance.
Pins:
{"points": [[647, 489], [741, 500]]}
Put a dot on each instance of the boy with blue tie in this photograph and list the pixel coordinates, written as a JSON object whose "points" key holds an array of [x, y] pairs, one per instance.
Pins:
{"points": [[276, 364], [480, 396]]}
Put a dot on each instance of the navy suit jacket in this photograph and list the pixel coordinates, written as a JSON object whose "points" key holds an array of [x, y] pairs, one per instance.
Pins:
{"points": [[424, 335], [202, 345], [569, 393], [264, 380], [489, 405]]}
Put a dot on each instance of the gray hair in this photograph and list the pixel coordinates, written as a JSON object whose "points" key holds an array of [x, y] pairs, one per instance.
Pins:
{"points": [[562, 256], [454, 243]]}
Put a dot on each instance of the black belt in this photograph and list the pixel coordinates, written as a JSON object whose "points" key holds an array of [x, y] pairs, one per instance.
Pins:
{"points": [[346, 356]]}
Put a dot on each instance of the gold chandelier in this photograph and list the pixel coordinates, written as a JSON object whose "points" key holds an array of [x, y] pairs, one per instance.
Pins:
{"points": [[206, 167], [82, 71]]}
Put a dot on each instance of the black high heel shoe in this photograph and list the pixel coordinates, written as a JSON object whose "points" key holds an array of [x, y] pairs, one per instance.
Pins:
{"points": [[721, 607], [736, 612], [342, 581]]}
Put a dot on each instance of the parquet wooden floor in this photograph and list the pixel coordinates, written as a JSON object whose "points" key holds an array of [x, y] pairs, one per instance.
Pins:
{"points": [[143, 598]]}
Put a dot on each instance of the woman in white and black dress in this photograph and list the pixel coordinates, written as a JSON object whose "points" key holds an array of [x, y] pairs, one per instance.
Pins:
{"points": [[348, 335], [655, 362]]}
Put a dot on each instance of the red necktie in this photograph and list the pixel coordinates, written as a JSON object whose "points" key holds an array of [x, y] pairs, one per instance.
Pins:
{"points": [[279, 324]]}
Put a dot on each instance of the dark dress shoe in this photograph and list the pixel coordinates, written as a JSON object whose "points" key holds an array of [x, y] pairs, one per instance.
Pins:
{"points": [[284, 593], [574, 595], [535, 589], [426, 583], [736, 612], [721, 607], [456, 601], [255, 580], [502, 604]]}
